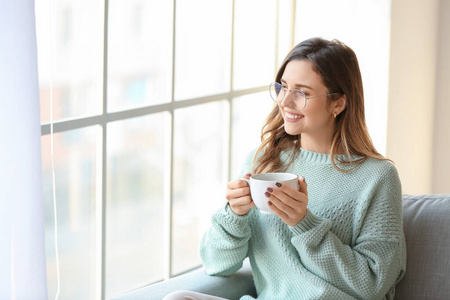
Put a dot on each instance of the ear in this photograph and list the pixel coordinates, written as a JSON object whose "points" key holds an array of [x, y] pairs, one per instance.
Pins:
{"points": [[339, 105]]}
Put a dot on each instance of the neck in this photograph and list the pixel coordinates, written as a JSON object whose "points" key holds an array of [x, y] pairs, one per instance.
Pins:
{"points": [[319, 140], [315, 145]]}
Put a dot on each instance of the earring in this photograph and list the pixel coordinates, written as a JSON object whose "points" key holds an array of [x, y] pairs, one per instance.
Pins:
{"points": [[335, 116]]}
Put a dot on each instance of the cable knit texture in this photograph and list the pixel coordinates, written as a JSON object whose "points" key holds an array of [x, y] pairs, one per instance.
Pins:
{"points": [[350, 245]]}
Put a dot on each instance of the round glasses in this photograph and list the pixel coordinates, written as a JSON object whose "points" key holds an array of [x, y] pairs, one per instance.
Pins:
{"points": [[279, 92]]}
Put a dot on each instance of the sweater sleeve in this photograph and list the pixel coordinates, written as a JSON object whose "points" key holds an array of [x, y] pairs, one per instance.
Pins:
{"points": [[375, 261], [225, 245]]}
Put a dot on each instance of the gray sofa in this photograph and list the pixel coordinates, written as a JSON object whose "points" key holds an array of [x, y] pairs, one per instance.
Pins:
{"points": [[427, 231]]}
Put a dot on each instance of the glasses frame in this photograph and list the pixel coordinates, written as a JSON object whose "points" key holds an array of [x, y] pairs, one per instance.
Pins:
{"points": [[286, 90]]}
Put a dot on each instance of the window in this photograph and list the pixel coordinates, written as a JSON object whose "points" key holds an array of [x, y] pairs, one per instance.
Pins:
{"points": [[155, 105]]}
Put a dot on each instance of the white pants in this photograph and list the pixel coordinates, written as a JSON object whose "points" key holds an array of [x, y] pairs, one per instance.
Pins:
{"points": [[188, 295]]}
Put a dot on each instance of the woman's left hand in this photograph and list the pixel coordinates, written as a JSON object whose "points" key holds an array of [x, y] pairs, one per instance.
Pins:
{"points": [[289, 204]]}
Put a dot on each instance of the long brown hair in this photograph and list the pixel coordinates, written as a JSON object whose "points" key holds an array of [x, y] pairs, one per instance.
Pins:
{"points": [[338, 66]]}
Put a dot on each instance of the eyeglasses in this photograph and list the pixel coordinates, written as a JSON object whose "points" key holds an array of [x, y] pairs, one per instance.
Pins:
{"points": [[279, 92]]}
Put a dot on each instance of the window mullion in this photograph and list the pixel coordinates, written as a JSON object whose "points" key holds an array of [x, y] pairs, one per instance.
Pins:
{"points": [[102, 213], [168, 199]]}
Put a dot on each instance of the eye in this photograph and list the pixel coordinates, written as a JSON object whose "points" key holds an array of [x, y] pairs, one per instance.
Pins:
{"points": [[297, 92]]}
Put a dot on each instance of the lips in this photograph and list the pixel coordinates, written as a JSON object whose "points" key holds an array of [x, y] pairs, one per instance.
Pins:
{"points": [[292, 116]]}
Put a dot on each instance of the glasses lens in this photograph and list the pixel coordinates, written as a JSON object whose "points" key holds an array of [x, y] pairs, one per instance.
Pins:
{"points": [[299, 99], [276, 91]]}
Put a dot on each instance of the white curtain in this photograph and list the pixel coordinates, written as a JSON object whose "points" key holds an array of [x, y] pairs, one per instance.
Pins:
{"points": [[22, 253]]}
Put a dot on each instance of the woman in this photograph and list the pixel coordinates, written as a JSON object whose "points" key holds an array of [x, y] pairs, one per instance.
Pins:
{"points": [[340, 235]]}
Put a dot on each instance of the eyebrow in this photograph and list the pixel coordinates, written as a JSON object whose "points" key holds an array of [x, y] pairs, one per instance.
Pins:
{"points": [[298, 85]]}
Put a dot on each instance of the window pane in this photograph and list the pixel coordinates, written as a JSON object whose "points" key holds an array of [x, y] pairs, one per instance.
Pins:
{"points": [[76, 170], [254, 43], [247, 127], [284, 31], [137, 154], [203, 48], [199, 177], [139, 53], [76, 56]]}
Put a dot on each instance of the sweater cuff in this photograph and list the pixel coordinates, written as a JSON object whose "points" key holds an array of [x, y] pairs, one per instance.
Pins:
{"points": [[230, 214], [233, 224], [309, 221]]}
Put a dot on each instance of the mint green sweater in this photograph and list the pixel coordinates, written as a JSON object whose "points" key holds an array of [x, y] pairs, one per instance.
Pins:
{"points": [[350, 245]]}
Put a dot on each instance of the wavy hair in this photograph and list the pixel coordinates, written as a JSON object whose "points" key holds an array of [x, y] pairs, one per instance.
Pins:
{"points": [[338, 66]]}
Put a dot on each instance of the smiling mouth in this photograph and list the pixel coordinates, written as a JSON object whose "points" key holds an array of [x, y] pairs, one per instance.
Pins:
{"points": [[291, 116]]}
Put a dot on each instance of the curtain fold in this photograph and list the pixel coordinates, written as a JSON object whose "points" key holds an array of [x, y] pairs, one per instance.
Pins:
{"points": [[22, 249]]}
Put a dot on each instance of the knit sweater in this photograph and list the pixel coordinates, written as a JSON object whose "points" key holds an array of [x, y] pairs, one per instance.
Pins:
{"points": [[350, 244]]}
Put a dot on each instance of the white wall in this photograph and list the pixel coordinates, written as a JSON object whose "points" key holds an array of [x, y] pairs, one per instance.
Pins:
{"points": [[364, 26], [417, 134], [441, 137]]}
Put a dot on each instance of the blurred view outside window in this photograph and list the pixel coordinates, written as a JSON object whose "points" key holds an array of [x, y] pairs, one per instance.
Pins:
{"points": [[155, 106], [137, 151], [203, 48]]}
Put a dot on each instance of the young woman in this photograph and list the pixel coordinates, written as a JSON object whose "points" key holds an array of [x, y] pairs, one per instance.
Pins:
{"points": [[340, 236]]}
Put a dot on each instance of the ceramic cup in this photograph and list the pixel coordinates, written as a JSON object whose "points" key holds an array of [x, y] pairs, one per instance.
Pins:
{"points": [[260, 182]]}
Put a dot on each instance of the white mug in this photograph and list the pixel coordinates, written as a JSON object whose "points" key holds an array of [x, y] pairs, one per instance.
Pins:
{"points": [[260, 182]]}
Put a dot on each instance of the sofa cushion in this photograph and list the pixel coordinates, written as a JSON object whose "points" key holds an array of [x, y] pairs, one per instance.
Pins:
{"points": [[427, 232]]}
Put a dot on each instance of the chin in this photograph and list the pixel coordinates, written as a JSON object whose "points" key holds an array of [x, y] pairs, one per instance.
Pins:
{"points": [[291, 131]]}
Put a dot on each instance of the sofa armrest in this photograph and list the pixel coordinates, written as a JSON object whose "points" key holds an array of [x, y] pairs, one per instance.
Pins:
{"points": [[231, 287], [426, 225]]}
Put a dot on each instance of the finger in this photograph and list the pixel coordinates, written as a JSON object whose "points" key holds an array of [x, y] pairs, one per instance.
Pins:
{"points": [[241, 206], [286, 194], [247, 175], [237, 193], [303, 185], [286, 206], [241, 201], [277, 211], [236, 184]]}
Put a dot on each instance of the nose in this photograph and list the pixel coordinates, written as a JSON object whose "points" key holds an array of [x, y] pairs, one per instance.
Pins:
{"points": [[287, 100]]}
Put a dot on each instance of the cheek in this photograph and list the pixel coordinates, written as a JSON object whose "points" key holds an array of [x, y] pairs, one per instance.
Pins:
{"points": [[317, 114], [313, 111], [317, 105], [281, 111]]}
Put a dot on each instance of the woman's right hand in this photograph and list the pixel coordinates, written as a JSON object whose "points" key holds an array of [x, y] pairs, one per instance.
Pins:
{"points": [[238, 195]]}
